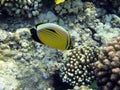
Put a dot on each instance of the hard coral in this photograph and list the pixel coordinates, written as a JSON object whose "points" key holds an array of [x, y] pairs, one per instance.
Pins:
{"points": [[110, 5], [81, 88], [89, 5], [78, 68], [25, 8], [108, 67], [69, 7]]}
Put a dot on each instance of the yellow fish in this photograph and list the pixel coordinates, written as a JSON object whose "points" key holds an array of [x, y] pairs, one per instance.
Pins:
{"points": [[59, 1], [52, 35]]}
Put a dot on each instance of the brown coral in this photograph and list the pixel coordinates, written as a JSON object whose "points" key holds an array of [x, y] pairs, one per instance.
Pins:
{"points": [[108, 67]]}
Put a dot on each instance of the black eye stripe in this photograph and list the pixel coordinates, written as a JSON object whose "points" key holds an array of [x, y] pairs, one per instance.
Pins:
{"points": [[34, 35]]}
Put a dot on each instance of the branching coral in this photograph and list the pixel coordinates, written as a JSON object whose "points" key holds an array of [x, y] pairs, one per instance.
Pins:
{"points": [[26, 8], [108, 67], [78, 68]]}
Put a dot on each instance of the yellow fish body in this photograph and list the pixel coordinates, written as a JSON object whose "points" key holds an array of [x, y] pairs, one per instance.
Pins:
{"points": [[59, 1], [52, 35]]}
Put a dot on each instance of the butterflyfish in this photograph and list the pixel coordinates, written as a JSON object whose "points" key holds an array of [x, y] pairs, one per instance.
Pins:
{"points": [[59, 1], [52, 35]]}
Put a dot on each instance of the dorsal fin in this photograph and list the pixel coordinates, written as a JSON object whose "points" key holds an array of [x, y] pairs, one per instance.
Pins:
{"points": [[40, 23]]}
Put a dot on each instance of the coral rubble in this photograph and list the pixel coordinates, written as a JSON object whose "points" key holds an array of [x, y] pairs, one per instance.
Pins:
{"points": [[78, 67], [108, 67]]}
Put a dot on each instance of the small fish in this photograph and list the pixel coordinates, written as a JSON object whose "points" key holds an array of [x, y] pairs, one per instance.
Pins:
{"points": [[52, 35], [59, 1]]}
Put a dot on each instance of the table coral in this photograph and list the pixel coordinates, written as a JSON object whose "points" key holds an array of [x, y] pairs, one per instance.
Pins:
{"points": [[108, 67]]}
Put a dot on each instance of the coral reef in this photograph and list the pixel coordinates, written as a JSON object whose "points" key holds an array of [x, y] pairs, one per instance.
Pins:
{"points": [[69, 7], [8, 69], [46, 17], [102, 30], [91, 23], [89, 5], [108, 67], [78, 66], [26, 63], [112, 6], [22, 8]]}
